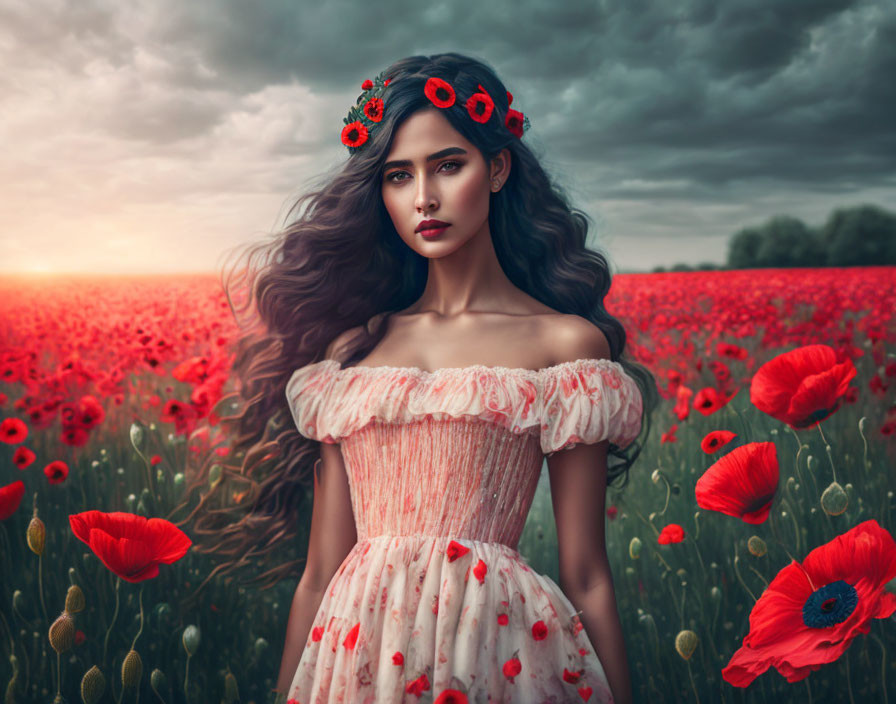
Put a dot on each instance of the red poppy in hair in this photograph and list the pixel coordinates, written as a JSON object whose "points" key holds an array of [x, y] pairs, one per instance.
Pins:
{"points": [[741, 483], [373, 109], [811, 612], [514, 122], [439, 92], [354, 134], [803, 386], [480, 105]]}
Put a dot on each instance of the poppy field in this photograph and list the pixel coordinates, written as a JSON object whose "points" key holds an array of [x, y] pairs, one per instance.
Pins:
{"points": [[752, 550]]}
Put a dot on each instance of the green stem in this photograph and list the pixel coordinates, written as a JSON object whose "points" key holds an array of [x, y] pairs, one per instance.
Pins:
{"points": [[883, 665], [848, 679], [693, 685], [40, 586], [865, 466], [187, 679], [112, 622], [134, 644], [738, 575], [827, 449]]}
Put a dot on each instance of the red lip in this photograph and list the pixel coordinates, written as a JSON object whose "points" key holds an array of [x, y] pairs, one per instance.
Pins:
{"points": [[431, 225]]}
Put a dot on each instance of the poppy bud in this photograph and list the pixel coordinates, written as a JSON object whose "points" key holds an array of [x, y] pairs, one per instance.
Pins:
{"points": [[634, 548], [74, 599], [131, 669], [757, 546], [812, 463], [862, 423], [834, 500], [158, 682], [261, 646], [137, 436], [715, 594], [686, 643], [93, 684], [231, 690], [62, 633], [178, 483], [191, 639], [655, 477], [36, 535], [18, 601]]}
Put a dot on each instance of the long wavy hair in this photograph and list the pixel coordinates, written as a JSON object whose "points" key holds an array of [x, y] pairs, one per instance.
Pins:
{"points": [[340, 264]]}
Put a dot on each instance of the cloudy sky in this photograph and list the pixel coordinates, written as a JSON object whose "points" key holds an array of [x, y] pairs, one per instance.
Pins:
{"points": [[151, 136]]}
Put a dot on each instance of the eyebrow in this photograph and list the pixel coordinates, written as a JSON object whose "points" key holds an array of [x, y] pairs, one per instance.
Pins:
{"points": [[431, 157]]}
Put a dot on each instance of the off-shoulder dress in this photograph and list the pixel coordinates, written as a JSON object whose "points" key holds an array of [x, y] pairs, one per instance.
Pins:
{"points": [[434, 603]]}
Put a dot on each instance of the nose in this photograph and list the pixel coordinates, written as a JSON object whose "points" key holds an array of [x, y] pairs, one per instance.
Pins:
{"points": [[425, 197]]}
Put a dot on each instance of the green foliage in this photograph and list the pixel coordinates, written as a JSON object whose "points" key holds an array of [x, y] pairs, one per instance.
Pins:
{"points": [[859, 236]]}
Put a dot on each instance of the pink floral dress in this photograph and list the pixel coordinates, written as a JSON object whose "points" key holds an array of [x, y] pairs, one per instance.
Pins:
{"points": [[434, 603]]}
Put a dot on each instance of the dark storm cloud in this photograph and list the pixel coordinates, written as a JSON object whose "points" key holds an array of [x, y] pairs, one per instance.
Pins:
{"points": [[720, 109]]}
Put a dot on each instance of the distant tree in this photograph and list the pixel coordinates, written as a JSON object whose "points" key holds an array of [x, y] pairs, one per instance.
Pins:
{"points": [[743, 247], [658, 269], [787, 242], [707, 266], [861, 236], [681, 266]]}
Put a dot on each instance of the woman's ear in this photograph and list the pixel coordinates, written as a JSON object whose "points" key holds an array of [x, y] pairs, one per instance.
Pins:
{"points": [[500, 167]]}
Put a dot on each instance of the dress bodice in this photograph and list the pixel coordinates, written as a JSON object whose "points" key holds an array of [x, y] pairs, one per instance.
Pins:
{"points": [[457, 451]]}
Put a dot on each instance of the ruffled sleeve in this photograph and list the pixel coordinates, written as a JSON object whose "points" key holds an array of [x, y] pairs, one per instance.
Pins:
{"points": [[309, 392], [588, 401]]}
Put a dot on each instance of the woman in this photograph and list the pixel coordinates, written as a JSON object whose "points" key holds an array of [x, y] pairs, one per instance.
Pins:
{"points": [[435, 326]]}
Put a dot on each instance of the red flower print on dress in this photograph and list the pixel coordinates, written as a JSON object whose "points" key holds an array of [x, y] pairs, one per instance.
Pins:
{"points": [[741, 483], [418, 686], [810, 613], [512, 667], [130, 545], [451, 696], [352, 637], [803, 386], [585, 693], [503, 619], [539, 630], [572, 676], [10, 498], [716, 440], [672, 533], [479, 571], [456, 550], [398, 658], [317, 633], [13, 431]]}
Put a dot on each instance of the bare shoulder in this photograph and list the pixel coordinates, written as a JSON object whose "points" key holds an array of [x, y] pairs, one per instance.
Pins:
{"points": [[572, 337]]}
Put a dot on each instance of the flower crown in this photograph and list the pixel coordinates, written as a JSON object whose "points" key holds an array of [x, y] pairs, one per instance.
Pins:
{"points": [[367, 113]]}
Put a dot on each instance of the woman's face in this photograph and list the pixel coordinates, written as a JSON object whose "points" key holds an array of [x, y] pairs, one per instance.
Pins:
{"points": [[453, 187]]}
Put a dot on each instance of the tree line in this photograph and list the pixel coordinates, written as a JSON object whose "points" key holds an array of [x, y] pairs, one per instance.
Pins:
{"points": [[863, 235]]}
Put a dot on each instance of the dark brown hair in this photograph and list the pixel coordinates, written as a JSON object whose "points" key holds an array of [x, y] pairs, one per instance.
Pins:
{"points": [[340, 264]]}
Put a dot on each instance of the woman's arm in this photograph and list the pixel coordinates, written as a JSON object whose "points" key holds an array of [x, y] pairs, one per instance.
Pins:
{"points": [[578, 493], [333, 535]]}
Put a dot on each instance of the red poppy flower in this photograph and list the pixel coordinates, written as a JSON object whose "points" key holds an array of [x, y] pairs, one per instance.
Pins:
{"points": [[741, 483], [716, 440], [91, 412], [669, 435], [539, 630], [13, 431], [131, 546], [710, 400], [509, 98], [682, 407], [367, 85], [803, 386], [451, 696], [479, 571], [354, 134], [439, 92], [480, 106], [23, 457], [10, 498], [512, 667], [514, 122], [811, 612], [418, 686], [352, 637], [56, 472], [672, 533], [373, 108]]}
